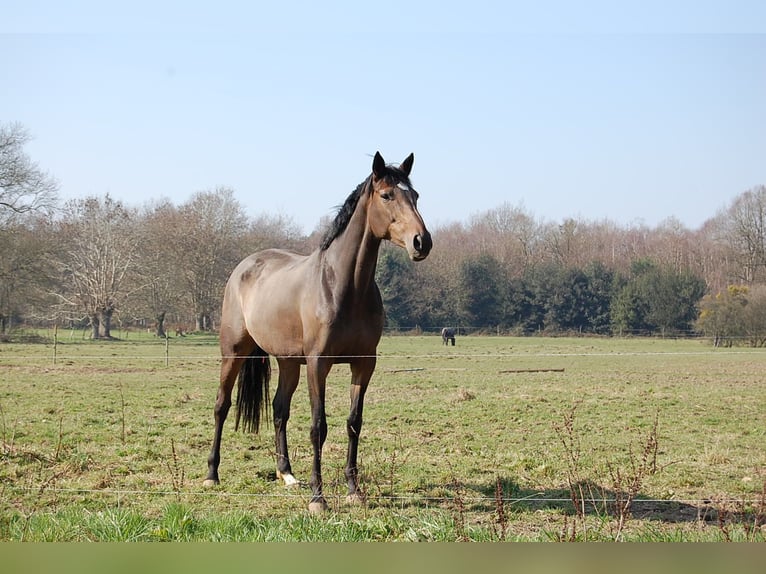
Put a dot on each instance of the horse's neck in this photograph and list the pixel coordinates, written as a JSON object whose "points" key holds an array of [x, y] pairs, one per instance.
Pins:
{"points": [[353, 255]]}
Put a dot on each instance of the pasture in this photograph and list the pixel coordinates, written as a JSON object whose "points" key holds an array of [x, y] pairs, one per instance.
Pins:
{"points": [[496, 438]]}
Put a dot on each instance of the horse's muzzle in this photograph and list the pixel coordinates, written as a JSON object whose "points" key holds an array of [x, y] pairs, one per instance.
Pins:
{"points": [[421, 246]]}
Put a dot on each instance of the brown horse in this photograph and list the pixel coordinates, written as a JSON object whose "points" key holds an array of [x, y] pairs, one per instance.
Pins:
{"points": [[315, 310]]}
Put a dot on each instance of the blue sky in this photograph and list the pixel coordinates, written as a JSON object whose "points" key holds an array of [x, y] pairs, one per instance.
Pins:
{"points": [[634, 111]]}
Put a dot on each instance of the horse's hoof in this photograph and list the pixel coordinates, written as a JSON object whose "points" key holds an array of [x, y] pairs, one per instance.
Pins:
{"points": [[210, 482], [317, 506], [288, 479], [356, 499]]}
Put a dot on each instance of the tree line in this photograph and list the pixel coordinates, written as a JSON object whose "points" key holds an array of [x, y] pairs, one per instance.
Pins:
{"points": [[575, 277], [96, 262]]}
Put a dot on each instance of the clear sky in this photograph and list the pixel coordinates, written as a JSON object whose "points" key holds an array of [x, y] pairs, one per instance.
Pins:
{"points": [[631, 111]]}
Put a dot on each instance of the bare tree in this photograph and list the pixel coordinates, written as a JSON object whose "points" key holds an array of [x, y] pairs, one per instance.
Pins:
{"points": [[281, 231], [712, 255], [24, 272], [746, 233], [158, 266], [511, 235], [24, 187], [571, 243], [670, 244], [213, 225], [755, 317], [98, 252]]}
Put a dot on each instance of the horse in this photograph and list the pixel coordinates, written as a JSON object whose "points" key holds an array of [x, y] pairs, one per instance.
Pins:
{"points": [[448, 334], [315, 310]]}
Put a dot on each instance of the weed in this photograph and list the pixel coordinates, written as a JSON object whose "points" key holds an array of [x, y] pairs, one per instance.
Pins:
{"points": [[122, 414], [625, 484], [750, 516], [500, 524], [176, 471], [755, 526], [458, 510], [382, 474], [572, 453], [2, 423], [60, 438], [568, 531]]}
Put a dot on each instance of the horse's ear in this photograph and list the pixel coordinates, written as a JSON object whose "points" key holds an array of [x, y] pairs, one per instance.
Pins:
{"points": [[406, 165], [378, 166]]}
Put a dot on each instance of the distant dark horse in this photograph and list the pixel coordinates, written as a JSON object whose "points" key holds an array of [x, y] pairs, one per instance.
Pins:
{"points": [[315, 310], [448, 335]]}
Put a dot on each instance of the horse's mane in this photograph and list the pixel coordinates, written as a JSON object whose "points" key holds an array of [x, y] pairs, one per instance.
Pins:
{"points": [[345, 211], [344, 214]]}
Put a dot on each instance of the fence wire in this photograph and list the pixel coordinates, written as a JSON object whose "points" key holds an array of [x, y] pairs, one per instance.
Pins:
{"points": [[383, 357], [399, 498]]}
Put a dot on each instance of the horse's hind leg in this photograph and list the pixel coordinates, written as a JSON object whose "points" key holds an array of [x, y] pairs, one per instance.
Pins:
{"points": [[289, 375], [231, 362]]}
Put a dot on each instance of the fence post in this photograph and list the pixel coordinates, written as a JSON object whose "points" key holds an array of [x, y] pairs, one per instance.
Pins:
{"points": [[55, 341], [167, 350]]}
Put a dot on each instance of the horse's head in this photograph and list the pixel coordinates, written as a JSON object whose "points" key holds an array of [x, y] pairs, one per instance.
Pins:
{"points": [[392, 211]]}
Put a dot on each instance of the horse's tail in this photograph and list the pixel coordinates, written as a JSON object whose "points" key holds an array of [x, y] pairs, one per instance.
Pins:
{"points": [[253, 390]]}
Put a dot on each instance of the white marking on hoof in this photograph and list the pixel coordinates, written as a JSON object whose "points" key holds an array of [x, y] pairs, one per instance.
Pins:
{"points": [[209, 483], [317, 507], [288, 478]]}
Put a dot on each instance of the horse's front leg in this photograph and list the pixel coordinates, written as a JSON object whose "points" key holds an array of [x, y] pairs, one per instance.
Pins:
{"points": [[361, 372], [289, 375], [317, 369]]}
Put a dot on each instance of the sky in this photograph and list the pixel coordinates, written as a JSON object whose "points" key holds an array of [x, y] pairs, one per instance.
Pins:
{"points": [[634, 112]]}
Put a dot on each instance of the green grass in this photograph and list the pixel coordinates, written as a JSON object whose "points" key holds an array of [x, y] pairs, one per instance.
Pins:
{"points": [[110, 444]]}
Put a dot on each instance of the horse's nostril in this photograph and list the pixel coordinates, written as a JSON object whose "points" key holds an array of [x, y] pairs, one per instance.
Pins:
{"points": [[422, 243]]}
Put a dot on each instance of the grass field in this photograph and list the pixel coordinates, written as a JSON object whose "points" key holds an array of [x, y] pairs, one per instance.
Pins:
{"points": [[497, 438]]}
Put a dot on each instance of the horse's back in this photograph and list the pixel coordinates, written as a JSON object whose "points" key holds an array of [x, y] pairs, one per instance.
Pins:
{"points": [[261, 295], [265, 261]]}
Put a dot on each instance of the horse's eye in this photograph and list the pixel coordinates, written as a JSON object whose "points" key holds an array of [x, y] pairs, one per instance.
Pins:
{"points": [[386, 195]]}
